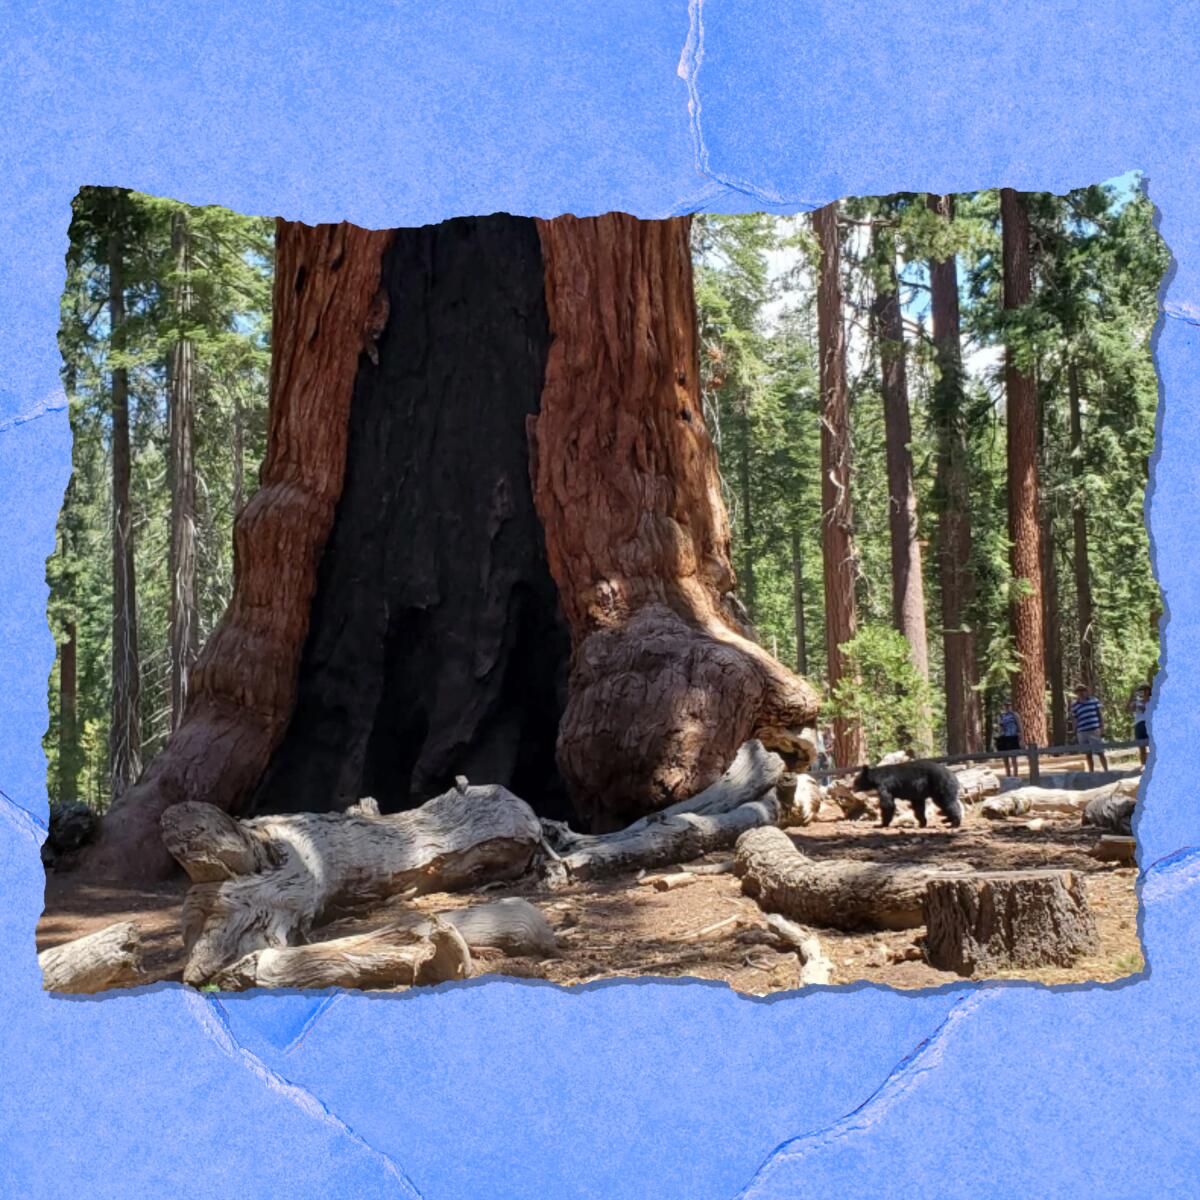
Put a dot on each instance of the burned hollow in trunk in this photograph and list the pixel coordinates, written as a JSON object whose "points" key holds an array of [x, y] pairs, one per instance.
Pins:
{"points": [[435, 647]]}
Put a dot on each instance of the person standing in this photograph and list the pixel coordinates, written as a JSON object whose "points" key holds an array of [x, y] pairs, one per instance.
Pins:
{"points": [[1089, 724], [1009, 737], [1141, 701]]}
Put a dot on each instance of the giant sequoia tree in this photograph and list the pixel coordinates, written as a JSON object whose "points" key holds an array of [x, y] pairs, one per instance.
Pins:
{"points": [[1024, 530], [487, 467]]}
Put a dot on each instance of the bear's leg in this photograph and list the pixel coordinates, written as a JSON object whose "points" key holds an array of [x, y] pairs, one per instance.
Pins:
{"points": [[919, 809], [952, 809], [887, 807]]}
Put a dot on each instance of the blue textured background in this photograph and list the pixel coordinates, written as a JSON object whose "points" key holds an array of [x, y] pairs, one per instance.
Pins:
{"points": [[415, 112]]}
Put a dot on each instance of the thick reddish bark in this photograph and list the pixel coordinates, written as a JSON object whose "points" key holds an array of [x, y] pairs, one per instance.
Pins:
{"points": [[665, 684], [185, 624], [837, 514], [1029, 686], [243, 686], [1083, 568], [908, 589], [125, 738], [963, 732]]}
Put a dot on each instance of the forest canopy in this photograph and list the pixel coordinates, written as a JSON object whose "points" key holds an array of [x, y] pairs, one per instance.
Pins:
{"points": [[166, 344]]}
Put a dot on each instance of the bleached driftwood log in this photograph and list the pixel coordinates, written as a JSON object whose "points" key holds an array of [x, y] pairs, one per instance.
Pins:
{"points": [[1001, 920], [266, 882], [1075, 781], [413, 949], [110, 957], [512, 925], [974, 783], [814, 966], [839, 894], [743, 798], [1050, 801], [394, 956], [800, 798]]}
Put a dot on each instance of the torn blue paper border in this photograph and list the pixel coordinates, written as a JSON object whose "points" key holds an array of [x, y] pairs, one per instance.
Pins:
{"points": [[404, 113]]}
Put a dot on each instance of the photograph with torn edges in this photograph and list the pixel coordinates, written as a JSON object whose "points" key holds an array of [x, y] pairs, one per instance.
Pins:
{"points": [[758, 599]]}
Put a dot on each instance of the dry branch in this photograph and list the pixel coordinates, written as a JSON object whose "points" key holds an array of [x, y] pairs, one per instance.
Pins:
{"points": [[744, 797], [110, 957], [266, 882], [814, 966]]}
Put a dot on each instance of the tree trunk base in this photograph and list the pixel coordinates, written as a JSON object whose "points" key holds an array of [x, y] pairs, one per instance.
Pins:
{"points": [[1007, 919], [838, 895]]}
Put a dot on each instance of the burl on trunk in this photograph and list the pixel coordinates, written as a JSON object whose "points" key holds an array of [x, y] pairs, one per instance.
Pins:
{"points": [[665, 681]]}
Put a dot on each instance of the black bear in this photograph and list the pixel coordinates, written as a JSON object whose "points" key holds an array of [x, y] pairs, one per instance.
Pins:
{"points": [[916, 782]]}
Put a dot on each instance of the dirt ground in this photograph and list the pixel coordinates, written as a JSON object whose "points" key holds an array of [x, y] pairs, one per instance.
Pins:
{"points": [[708, 929]]}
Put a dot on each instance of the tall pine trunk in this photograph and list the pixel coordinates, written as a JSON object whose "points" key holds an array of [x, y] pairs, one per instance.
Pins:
{"points": [[908, 589], [837, 513], [184, 619], [798, 602], [955, 575], [665, 681], [68, 724], [1083, 568], [1029, 686], [1051, 609], [125, 741]]}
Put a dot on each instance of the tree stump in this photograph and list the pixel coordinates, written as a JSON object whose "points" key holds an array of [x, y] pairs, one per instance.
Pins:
{"points": [[999, 920]]}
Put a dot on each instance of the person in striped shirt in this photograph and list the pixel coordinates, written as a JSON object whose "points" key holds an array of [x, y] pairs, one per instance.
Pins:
{"points": [[1089, 724], [1009, 737]]}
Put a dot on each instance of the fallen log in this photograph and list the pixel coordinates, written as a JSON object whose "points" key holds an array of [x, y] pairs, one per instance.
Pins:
{"points": [[1075, 781], [391, 957], [1047, 801], [975, 783], [110, 957], [855, 806], [814, 966], [1007, 919], [838, 894], [743, 798], [1114, 848], [264, 883]]}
